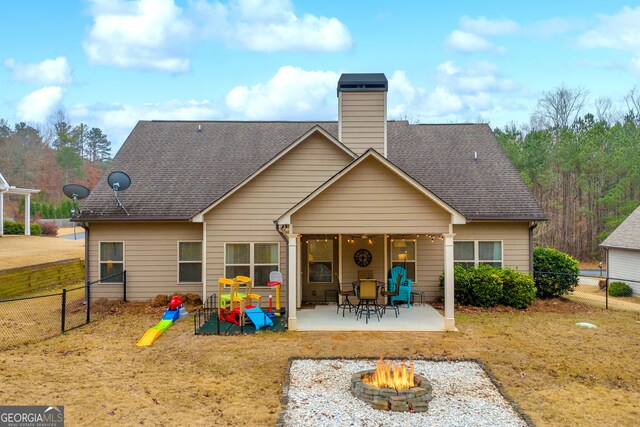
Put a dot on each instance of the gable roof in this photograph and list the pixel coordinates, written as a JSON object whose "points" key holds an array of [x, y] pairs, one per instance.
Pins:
{"points": [[442, 158], [627, 235], [281, 154], [177, 170], [456, 218]]}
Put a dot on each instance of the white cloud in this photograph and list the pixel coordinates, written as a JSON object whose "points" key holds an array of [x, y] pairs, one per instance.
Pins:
{"points": [[271, 25], [489, 27], [464, 41], [48, 72], [36, 107], [151, 33], [292, 93], [619, 31], [117, 120], [459, 94], [146, 34], [483, 76]]}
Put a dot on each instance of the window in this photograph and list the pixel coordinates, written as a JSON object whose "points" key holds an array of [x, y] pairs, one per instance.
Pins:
{"points": [[320, 257], [403, 253], [111, 262], [255, 260], [476, 252], [189, 262]]}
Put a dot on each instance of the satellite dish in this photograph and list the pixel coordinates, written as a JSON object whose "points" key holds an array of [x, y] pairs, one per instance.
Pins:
{"points": [[119, 181], [76, 191]]}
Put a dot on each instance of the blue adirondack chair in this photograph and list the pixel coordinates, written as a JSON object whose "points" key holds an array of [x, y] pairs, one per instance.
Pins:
{"points": [[405, 285]]}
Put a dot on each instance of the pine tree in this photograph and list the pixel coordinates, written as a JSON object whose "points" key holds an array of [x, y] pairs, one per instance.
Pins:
{"points": [[99, 147]]}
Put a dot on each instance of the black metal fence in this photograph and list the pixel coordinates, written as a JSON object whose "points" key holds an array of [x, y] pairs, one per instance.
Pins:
{"points": [[595, 291], [36, 318]]}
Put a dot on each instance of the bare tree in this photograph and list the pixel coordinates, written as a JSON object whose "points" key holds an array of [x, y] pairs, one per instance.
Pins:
{"points": [[604, 108], [561, 107], [632, 99]]}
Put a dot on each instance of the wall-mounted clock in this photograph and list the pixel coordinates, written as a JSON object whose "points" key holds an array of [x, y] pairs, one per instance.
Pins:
{"points": [[362, 257]]}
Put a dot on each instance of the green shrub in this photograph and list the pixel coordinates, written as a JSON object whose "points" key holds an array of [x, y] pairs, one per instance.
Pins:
{"points": [[36, 229], [620, 289], [518, 289], [480, 286], [555, 272], [11, 227]]}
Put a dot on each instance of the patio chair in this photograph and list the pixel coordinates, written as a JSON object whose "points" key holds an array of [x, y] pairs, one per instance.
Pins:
{"points": [[346, 303], [390, 294], [404, 289], [368, 299], [365, 274]]}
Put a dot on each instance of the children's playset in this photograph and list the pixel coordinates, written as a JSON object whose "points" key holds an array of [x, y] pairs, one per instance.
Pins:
{"points": [[238, 304], [175, 311]]}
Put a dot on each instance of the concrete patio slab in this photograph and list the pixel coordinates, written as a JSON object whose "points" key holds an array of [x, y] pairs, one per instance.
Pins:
{"points": [[324, 318]]}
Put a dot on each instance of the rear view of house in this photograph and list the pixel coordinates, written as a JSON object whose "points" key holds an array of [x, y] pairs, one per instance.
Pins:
{"points": [[319, 201]]}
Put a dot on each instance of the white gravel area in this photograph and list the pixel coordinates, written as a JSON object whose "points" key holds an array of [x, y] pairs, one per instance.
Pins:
{"points": [[463, 395]]}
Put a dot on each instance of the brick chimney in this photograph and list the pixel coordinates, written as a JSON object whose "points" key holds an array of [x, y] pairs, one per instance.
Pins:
{"points": [[362, 112]]}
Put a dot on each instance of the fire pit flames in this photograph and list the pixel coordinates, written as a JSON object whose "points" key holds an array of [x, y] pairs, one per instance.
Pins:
{"points": [[391, 386], [391, 375]]}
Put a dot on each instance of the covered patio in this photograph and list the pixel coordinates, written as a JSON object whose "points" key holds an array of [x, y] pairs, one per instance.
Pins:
{"points": [[363, 209]]}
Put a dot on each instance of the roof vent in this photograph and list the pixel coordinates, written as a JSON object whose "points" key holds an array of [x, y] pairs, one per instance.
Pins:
{"points": [[199, 128]]}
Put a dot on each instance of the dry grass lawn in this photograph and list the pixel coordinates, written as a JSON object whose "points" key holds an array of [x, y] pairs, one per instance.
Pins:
{"points": [[559, 373], [19, 251]]}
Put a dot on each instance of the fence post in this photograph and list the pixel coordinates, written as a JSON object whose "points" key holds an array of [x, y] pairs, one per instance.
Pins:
{"points": [[88, 294], [63, 308], [124, 285], [606, 294]]}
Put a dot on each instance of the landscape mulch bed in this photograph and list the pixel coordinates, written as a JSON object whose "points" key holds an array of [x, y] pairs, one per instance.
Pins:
{"points": [[553, 305]]}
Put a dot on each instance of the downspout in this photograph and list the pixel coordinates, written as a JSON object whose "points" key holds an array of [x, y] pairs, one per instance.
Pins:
{"points": [[286, 242], [87, 264], [531, 227]]}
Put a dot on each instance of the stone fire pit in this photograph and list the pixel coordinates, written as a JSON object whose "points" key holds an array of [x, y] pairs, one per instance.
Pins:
{"points": [[414, 399]]}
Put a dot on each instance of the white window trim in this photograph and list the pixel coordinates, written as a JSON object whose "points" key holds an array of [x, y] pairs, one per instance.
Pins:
{"points": [[476, 252], [100, 262], [331, 260], [251, 264], [415, 255], [187, 262]]}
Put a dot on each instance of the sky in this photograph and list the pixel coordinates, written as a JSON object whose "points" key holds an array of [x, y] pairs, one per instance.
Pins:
{"points": [[110, 63]]}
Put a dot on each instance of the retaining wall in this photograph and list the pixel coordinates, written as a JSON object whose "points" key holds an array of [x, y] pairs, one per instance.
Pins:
{"points": [[22, 281]]}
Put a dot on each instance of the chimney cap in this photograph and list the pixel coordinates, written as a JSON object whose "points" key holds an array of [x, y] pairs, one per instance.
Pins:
{"points": [[363, 82]]}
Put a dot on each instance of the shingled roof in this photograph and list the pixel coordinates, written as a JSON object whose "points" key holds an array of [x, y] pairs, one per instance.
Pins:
{"points": [[627, 235], [178, 168]]}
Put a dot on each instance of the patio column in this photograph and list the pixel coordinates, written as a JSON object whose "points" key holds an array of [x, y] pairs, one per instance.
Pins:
{"points": [[27, 214], [293, 283], [449, 320], [1, 214]]}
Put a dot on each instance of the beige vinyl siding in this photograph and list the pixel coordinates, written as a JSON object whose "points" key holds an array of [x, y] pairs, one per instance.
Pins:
{"points": [[150, 257], [430, 265], [514, 237], [370, 199], [362, 120], [247, 215]]}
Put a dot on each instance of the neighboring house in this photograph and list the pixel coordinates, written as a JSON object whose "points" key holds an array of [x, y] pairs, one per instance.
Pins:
{"points": [[7, 189], [623, 252], [211, 199]]}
